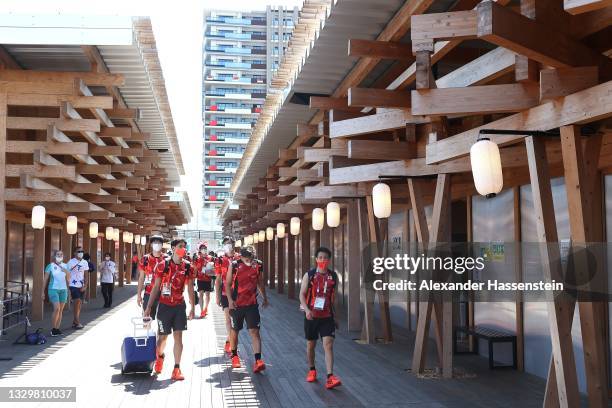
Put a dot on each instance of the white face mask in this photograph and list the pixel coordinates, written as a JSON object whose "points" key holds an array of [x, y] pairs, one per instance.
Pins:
{"points": [[79, 255], [203, 251], [59, 259], [156, 246], [107, 258]]}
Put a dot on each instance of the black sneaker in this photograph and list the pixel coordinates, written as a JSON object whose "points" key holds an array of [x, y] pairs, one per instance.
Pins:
{"points": [[58, 332], [55, 332]]}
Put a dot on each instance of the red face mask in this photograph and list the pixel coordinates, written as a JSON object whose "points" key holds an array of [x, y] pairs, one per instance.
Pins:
{"points": [[322, 265], [180, 252]]}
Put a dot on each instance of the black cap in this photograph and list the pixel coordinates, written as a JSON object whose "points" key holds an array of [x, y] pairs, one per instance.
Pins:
{"points": [[158, 238], [227, 238], [247, 252]]}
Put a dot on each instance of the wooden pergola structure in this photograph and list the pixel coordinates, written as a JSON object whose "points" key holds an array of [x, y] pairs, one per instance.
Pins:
{"points": [[76, 142], [408, 112]]}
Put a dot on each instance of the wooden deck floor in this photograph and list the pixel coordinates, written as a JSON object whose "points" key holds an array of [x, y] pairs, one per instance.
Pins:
{"points": [[373, 375]]}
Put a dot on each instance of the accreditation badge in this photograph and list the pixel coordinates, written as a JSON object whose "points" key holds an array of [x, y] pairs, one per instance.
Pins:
{"points": [[147, 279], [319, 303], [166, 289]]}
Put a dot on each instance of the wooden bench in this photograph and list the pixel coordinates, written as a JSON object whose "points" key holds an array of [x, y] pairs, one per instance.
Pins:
{"points": [[491, 336]]}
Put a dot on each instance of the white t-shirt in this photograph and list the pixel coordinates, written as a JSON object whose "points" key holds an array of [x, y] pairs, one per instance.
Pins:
{"points": [[57, 276], [107, 271], [77, 272]]}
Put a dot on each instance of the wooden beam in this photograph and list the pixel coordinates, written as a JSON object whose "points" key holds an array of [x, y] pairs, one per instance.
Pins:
{"points": [[329, 103], [123, 132], [81, 188], [457, 25], [122, 113], [90, 78], [477, 100], [564, 81], [583, 6], [65, 125], [372, 97], [289, 190], [317, 154], [380, 49], [381, 150], [285, 172], [485, 68], [585, 106], [328, 192], [104, 150], [78, 102], [41, 171], [502, 26], [26, 194], [3, 199], [93, 168], [558, 313], [393, 119]]}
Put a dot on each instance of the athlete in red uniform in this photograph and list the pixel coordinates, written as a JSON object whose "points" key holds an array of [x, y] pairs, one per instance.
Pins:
{"points": [[146, 270], [223, 264], [170, 282], [317, 296], [244, 278], [204, 281]]}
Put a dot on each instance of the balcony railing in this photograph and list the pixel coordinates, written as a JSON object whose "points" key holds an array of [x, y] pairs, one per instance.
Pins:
{"points": [[237, 36]]}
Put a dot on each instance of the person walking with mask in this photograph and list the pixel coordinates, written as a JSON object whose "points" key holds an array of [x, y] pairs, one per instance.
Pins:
{"points": [[108, 275], [244, 279], [146, 271], [57, 276], [204, 282], [79, 280], [169, 285], [223, 264], [317, 296]]}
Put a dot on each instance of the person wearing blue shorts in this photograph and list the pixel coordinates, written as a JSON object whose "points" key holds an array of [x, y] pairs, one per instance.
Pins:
{"points": [[57, 276]]}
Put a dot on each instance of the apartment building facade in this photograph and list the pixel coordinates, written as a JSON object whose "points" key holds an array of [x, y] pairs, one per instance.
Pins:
{"points": [[241, 52]]}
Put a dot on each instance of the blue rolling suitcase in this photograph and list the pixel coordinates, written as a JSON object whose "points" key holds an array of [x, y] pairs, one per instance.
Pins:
{"points": [[138, 352]]}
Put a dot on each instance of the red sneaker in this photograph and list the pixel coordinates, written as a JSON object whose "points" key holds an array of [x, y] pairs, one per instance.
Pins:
{"points": [[235, 361], [259, 366], [203, 313], [228, 348], [177, 375], [159, 365], [332, 381], [312, 376]]}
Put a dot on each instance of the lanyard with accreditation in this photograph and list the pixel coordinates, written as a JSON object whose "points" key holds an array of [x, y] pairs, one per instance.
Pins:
{"points": [[319, 303]]}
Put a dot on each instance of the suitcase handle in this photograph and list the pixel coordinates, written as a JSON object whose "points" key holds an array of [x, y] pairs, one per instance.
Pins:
{"points": [[142, 324], [140, 341]]}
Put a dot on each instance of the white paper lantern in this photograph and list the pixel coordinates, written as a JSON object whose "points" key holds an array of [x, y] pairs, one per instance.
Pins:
{"points": [[333, 214], [255, 238], [269, 233], [295, 226], [71, 225], [130, 238], [262, 236], [126, 236], [109, 233], [137, 239], [486, 168], [93, 230], [239, 243], [143, 240], [280, 230], [381, 200], [318, 219], [116, 234], [247, 240], [38, 217]]}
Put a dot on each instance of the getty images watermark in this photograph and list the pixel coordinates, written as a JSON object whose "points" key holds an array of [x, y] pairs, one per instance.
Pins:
{"points": [[439, 271]]}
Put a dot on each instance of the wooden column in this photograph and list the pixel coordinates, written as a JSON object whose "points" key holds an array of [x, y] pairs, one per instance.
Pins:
{"points": [[3, 115], [280, 263], [128, 266], [354, 267], [290, 265], [560, 314], [93, 252], [518, 273], [120, 263], [306, 257], [427, 307], [368, 333], [378, 244], [272, 262], [583, 182], [66, 244], [38, 276]]}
